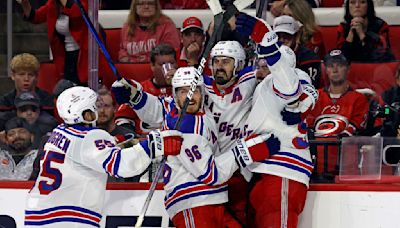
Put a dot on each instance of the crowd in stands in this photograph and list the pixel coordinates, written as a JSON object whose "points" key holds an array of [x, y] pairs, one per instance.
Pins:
{"points": [[151, 38]]}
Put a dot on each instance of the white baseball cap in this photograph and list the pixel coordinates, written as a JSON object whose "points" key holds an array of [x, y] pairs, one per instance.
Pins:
{"points": [[286, 24]]}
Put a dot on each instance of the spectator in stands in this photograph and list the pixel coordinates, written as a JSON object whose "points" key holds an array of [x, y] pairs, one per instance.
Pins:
{"points": [[159, 85], [106, 107], [391, 97], [339, 110], [24, 72], [363, 37], [287, 29], [183, 4], [16, 155], [145, 28], [311, 35], [278, 5], [28, 108], [192, 38], [68, 36]]}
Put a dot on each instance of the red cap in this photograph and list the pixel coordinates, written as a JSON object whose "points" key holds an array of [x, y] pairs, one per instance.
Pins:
{"points": [[192, 22]]}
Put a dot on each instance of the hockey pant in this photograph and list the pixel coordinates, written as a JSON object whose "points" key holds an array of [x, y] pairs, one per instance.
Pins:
{"points": [[277, 201], [200, 217]]}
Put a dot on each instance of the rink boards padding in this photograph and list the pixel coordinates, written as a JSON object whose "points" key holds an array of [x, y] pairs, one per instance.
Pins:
{"points": [[328, 205]]}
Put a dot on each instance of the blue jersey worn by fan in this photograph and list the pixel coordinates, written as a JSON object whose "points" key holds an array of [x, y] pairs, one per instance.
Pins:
{"points": [[77, 159]]}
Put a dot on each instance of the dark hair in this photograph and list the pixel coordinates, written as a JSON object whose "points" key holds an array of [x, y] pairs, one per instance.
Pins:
{"points": [[370, 11], [161, 49], [17, 122]]}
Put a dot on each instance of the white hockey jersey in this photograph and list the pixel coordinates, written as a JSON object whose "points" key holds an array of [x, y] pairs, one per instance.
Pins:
{"points": [[195, 177], [230, 107], [272, 95], [70, 188]]}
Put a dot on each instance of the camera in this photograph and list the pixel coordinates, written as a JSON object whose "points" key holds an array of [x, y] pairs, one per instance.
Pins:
{"points": [[391, 113]]}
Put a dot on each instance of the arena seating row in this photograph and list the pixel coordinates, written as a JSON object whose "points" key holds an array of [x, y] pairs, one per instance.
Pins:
{"points": [[377, 76], [329, 35]]}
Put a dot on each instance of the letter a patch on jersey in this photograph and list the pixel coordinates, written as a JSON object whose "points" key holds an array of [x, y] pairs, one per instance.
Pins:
{"points": [[237, 96]]}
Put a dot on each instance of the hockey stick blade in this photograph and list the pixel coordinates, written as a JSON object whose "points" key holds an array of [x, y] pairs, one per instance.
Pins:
{"points": [[229, 12], [92, 30]]}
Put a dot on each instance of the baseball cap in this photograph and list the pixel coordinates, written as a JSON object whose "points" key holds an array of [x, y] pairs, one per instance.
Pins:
{"points": [[17, 122], [26, 98], [192, 22], [286, 24], [335, 56]]}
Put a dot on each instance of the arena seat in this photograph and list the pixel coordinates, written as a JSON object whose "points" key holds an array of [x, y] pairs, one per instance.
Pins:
{"points": [[136, 71], [329, 37], [113, 37], [376, 76], [394, 37], [48, 77], [332, 3]]}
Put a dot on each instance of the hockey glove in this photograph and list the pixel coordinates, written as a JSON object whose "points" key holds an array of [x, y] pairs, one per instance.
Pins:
{"points": [[308, 98], [269, 48], [291, 117], [164, 143], [255, 148], [127, 91], [248, 25]]}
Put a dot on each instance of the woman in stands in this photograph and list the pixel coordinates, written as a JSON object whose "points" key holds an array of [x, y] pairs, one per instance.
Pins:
{"points": [[363, 37], [67, 33], [145, 28], [311, 35]]}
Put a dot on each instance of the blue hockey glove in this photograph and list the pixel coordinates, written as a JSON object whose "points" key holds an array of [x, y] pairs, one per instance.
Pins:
{"points": [[127, 91], [291, 118], [248, 25]]}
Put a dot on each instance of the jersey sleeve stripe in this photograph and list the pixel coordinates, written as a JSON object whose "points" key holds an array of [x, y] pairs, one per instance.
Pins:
{"points": [[287, 96], [111, 164], [211, 174], [142, 102]]}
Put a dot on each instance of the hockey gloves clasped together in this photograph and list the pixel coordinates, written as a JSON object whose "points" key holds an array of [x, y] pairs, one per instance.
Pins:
{"points": [[255, 148], [164, 143], [127, 91]]}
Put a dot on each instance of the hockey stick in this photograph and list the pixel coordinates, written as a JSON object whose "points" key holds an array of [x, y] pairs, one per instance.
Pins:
{"points": [[220, 18], [92, 30], [260, 8]]}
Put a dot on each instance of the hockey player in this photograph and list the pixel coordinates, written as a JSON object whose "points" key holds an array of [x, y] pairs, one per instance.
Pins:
{"points": [[227, 99], [77, 159], [279, 193], [195, 179]]}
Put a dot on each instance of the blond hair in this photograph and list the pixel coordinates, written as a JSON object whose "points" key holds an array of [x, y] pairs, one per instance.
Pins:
{"points": [[133, 18], [302, 12], [25, 62]]}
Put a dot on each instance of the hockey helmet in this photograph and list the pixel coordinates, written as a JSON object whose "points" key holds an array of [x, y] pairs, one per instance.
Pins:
{"points": [[74, 101], [184, 76], [330, 125], [233, 49]]}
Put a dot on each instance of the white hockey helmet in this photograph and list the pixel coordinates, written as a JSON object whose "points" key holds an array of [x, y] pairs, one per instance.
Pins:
{"points": [[289, 55], [184, 76], [74, 101], [230, 48]]}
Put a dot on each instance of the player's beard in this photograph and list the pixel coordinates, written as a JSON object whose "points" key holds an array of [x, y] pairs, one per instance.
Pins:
{"points": [[192, 108], [104, 123], [20, 145], [221, 79]]}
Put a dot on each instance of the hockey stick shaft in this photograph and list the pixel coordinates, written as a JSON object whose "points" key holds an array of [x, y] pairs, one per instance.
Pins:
{"points": [[92, 30], [260, 8], [222, 19]]}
